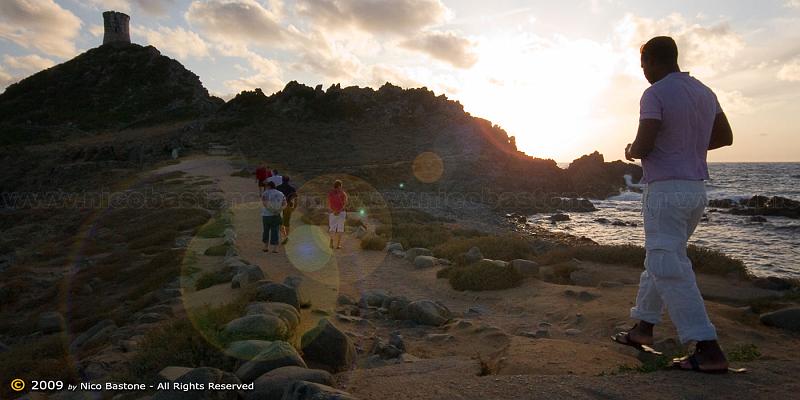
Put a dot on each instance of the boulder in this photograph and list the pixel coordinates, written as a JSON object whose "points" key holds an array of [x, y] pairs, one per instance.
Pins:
{"points": [[202, 375], [273, 384], [258, 327], [279, 293], [303, 390], [397, 307], [328, 347], [473, 255], [421, 262], [287, 313], [246, 274], [172, 373], [276, 354], [559, 217], [499, 263], [360, 232], [412, 253], [98, 333], [51, 322], [426, 312], [772, 283], [392, 246], [398, 253], [246, 350], [372, 298], [525, 267], [787, 318], [345, 300], [229, 236]]}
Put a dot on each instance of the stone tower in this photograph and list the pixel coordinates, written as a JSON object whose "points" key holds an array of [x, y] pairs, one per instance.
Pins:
{"points": [[116, 27]]}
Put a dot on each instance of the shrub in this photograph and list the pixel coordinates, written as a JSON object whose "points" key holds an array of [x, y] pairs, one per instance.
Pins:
{"points": [[416, 235], [484, 275], [214, 228], [506, 247], [217, 251], [373, 242], [743, 353]]}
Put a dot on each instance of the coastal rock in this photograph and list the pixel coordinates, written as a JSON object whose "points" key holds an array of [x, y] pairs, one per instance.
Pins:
{"points": [[273, 384], [421, 262], [473, 255], [772, 283], [258, 326], [328, 347], [372, 298], [276, 355], [245, 275], [51, 322], [757, 218], [279, 293], [95, 335], [172, 373], [559, 217], [392, 246], [572, 204], [202, 375], [412, 253], [525, 267], [345, 300], [302, 390], [427, 312], [246, 350], [398, 307], [284, 311], [787, 318]]}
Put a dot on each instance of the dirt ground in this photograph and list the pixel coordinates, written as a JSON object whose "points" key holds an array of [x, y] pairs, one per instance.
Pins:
{"points": [[577, 361]]}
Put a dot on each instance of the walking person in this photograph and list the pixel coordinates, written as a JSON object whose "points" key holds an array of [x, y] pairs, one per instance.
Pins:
{"points": [[680, 119], [275, 178], [290, 193], [273, 203], [337, 202], [262, 174]]}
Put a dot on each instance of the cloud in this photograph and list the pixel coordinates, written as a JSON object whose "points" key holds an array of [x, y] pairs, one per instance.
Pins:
{"points": [[151, 7], [375, 16], [704, 50], [792, 3], [382, 73], [790, 71], [42, 24], [444, 46], [241, 21], [734, 102], [264, 73], [178, 41], [5, 79], [28, 64]]}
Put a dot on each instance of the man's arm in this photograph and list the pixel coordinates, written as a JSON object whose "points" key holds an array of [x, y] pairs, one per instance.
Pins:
{"points": [[645, 139], [721, 134]]}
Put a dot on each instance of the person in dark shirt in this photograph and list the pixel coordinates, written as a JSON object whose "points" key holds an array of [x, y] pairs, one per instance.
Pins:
{"points": [[291, 203], [262, 173]]}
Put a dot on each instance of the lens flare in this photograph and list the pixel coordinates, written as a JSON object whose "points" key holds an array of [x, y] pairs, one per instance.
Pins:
{"points": [[428, 167]]}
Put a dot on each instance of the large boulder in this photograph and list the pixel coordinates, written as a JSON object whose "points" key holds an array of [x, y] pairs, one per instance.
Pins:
{"points": [[202, 375], [392, 246], [279, 293], [95, 335], [424, 262], [229, 236], [287, 313], [426, 312], [246, 275], [328, 348], [258, 327], [246, 350], [275, 355], [273, 384], [397, 307], [412, 253], [372, 298], [525, 267], [302, 390], [51, 322], [787, 318], [473, 255]]}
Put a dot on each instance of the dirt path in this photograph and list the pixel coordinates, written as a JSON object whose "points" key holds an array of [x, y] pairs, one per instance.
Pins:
{"points": [[577, 361]]}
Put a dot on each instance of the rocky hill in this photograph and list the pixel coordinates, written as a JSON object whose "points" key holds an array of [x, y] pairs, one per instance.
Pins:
{"points": [[106, 88]]}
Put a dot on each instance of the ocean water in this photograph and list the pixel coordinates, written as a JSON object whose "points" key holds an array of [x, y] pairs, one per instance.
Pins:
{"points": [[771, 248]]}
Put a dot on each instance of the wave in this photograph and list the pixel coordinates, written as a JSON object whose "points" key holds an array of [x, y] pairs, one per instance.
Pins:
{"points": [[626, 196]]}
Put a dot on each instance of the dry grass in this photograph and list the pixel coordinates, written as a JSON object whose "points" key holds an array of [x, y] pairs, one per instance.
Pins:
{"points": [[373, 242], [506, 247], [482, 275]]}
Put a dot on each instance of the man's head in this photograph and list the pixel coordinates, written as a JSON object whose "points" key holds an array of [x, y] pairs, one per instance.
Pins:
{"points": [[659, 58], [285, 179], [337, 184], [271, 185]]}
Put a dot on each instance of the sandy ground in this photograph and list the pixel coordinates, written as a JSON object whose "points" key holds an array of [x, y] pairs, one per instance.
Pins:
{"points": [[577, 361]]}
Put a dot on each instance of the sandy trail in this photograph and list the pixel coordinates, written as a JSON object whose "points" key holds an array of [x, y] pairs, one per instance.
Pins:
{"points": [[578, 361]]}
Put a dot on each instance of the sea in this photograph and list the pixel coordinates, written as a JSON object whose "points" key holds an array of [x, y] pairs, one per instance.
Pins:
{"points": [[769, 248]]}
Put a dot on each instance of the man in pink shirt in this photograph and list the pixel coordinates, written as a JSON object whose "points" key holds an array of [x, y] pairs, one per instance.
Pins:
{"points": [[680, 119], [337, 201]]}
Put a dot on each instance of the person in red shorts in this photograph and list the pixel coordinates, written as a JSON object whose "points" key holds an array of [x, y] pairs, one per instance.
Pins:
{"points": [[262, 173], [337, 201]]}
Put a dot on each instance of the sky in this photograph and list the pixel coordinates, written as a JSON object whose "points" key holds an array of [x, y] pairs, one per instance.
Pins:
{"points": [[563, 76]]}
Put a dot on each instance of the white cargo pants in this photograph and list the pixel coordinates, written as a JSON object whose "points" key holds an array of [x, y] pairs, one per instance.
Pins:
{"points": [[671, 210]]}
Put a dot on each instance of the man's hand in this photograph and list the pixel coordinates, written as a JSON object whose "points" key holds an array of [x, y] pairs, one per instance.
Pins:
{"points": [[628, 155]]}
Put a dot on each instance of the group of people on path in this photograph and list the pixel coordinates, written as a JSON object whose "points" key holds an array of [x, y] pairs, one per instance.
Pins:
{"points": [[279, 200]]}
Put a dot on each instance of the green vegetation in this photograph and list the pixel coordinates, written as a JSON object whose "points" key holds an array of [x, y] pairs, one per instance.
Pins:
{"points": [[373, 242], [215, 228], [482, 275], [745, 352], [651, 364], [217, 251], [506, 247]]}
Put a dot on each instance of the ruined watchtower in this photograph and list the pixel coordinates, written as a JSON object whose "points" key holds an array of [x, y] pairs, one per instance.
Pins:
{"points": [[116, 27]]}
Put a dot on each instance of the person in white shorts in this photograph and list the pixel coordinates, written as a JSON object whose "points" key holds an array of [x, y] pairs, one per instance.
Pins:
{"points": [[337, 202], [680, 120]]}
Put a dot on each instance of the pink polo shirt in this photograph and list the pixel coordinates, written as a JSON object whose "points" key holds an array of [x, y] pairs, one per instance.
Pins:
{"points": [[687, 109]]}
